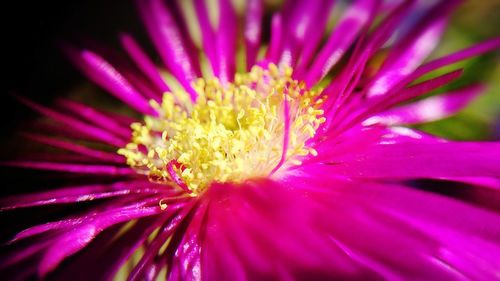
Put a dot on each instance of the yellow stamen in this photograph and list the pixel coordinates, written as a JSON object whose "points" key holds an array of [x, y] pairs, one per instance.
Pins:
{"points": [[233, 132]]}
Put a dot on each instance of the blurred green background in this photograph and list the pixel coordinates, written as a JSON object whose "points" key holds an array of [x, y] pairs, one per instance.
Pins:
{"points": [[473, 22]]}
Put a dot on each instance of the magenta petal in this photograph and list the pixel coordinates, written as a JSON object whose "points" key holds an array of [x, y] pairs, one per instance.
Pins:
{"points": [[225, 42], [143, 61], [275, 45], [71, 168], [314, 35], [300, 20], [407, 62], [353, 21], [394, 97], [410, 52], [25, 253], [170, 42], [108, 77], [420, 160], [77, 125], [429, 109], [96, 117], [164, 233], [207, 32], [312, 225], [70, 243], [252, 30], [398, 134], [489, 182], [79, 149], [80, 193], [74, 240]]}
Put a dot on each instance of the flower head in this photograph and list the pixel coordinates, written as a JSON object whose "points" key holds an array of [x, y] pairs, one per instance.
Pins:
{"points": [[295, 162]]}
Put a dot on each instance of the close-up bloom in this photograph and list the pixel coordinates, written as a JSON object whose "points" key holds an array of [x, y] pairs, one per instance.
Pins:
{"points": [[268, 142]]}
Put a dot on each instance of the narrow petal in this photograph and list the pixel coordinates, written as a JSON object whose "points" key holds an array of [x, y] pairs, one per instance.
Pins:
{"points": [[353, 21], [71, 168], [75, 124], [80, 149], [143, 61], [207, 32], [170, 42], [410, 52], [427, 110], [105, 75], [301, 18], [315, 33], [163, 234], [96, 117], [421, 160], [70, 194], [225, 42], [275, 45], [252, 30], [110, 251], [381, 103], [73, 241]]}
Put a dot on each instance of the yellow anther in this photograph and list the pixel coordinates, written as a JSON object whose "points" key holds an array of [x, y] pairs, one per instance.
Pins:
{"points": [[233, 132], [163, 205]]}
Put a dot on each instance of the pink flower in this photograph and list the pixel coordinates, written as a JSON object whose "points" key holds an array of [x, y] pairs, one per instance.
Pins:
{"points": [[287, 159]]}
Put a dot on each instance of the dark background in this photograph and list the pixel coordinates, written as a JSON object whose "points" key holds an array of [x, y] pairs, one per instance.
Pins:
{"points": [[34, 66]]}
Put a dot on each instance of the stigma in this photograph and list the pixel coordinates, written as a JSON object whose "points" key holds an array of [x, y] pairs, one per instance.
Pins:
{"points": [[250, 128]]}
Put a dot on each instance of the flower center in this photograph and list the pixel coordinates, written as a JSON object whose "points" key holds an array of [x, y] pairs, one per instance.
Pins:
{"points": [[246, 129]]}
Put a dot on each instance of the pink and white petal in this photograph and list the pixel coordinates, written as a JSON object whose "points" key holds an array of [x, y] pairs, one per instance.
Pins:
{"points": [[341, 89], [383, 102], [427, 110], [315, 225], [410, 52], [171, 43], [315, 34], [303, 15], [476, 50], [399, 134], [408, 61], [356, 17]]}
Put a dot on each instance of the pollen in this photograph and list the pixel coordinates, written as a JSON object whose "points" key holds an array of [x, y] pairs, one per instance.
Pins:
{"points": [[232, 132]]}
